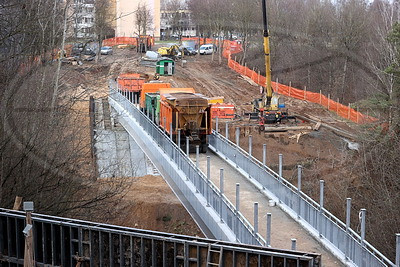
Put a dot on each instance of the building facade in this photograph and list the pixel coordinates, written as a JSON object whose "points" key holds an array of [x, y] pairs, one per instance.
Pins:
{"points": [[126, 17], [84, 19], [176, 21]]}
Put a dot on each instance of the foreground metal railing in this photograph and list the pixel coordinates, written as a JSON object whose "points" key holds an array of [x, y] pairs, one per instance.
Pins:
{"points": [[68, 242], [350, 246]]}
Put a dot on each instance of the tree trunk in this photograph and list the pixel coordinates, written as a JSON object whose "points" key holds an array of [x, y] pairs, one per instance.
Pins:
{"points": [[55, 91], [344, 78]]}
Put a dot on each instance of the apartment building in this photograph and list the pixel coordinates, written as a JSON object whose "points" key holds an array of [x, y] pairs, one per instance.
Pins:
{"points": [[84, 19], [175, 23]]}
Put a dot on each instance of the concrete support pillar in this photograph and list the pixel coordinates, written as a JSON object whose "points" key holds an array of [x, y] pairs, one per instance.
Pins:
{"points": [[216, 124]]}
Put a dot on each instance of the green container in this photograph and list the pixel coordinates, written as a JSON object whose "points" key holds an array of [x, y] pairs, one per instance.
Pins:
{"points": [[165, 67], [153, 105]]}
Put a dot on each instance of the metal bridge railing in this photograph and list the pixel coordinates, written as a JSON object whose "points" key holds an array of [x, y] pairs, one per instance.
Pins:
{"points": [[330, 228], [179, 161], [61, 241]]}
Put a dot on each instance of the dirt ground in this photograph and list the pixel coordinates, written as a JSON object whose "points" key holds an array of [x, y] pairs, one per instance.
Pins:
{"points": [[150, 204]]}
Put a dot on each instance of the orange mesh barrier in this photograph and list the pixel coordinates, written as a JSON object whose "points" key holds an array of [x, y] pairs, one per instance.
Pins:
{"points": [[341, 110], [229, 47]]}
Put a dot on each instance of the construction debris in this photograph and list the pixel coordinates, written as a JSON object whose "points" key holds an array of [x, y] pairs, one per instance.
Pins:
{"points": [[247, 79]]}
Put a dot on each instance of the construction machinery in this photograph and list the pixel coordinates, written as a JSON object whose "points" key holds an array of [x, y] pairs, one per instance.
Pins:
{"points": [[173, 51], [269, 107]]}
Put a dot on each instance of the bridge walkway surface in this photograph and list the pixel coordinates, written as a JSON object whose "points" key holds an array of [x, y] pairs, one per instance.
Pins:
{"points": [[283, 227]]}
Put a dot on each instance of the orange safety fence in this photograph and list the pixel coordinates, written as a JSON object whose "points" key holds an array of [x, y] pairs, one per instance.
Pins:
{"points": [[340, 109], [229, 47], [126, 41]]}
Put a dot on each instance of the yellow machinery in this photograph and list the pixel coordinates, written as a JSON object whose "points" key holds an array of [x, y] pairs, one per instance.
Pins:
{"points": [[173, 51], [268, 107]]}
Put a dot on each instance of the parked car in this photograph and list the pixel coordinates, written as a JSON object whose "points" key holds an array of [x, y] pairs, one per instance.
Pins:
{"points": [[206, 49], [106, 50], [189, 51]]}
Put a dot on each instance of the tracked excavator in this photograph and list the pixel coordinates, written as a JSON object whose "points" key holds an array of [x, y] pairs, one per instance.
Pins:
{"points": [[173, 51], [269, 107]]}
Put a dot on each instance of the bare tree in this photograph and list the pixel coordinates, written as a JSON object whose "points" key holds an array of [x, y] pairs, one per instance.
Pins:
{"points": [[103, 19]]}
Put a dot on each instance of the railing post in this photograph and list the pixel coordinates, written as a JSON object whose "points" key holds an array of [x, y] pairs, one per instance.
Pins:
{"points": [[321, 205], [208, 168], [170, 131], [179, 139], [221, 181], [264, 154], [237, 136], [216, 124], [280, 166], [293, 243], [299, 169], [227, 130], [250, 145], [255, 218], [363, 260], [208, 178], [237, 197], [397, 249], [348, 214], [197, 155], [187, 146], [268, 236], [363, 213]]}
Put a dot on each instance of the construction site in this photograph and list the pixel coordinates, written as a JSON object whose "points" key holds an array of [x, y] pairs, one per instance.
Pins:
{"points": [[229, 194], [210, 163]]}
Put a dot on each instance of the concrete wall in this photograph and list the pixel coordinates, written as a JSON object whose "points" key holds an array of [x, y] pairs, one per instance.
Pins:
{"points": [[125, 13]]}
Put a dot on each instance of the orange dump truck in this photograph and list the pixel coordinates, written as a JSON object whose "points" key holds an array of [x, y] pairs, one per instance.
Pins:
{"points": [[131, 83], [188, 112], [151, 88]]}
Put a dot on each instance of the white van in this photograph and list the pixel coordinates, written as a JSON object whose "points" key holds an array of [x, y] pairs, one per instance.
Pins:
{"points": [[206, 49]]}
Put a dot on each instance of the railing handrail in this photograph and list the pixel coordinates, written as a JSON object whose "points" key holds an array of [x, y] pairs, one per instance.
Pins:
{"points": [[328, 215]]}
